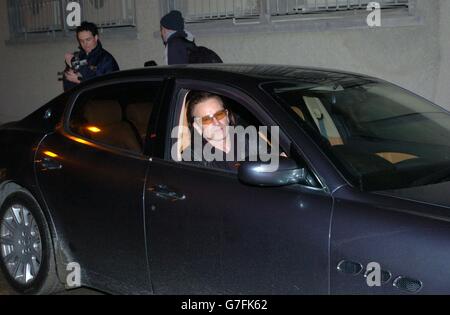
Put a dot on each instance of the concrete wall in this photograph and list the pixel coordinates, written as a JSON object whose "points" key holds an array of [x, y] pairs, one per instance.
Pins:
{"points": [[414, 57], [442, 95]]}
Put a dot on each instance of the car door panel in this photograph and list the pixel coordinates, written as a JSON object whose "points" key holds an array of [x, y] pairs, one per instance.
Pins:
{"points": [[92, 172], [219, 236], [226, 237], [97, 196]]}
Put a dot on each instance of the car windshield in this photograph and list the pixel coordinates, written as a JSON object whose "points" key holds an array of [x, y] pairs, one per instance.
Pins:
{"points": [[380, 136]]}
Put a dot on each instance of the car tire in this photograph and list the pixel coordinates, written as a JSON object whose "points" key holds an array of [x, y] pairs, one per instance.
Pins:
{"points": [[26, 249]]}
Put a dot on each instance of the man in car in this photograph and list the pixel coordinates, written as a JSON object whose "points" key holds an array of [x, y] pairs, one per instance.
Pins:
{"points": [[209, 123], [91, 61], [217, 141]]}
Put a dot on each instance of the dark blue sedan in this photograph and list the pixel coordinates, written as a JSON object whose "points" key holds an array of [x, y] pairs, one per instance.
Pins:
{"points": [[94, 190]]}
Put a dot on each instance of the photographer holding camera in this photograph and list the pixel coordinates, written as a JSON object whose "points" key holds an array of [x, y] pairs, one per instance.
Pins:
{"points": [[91, 61]]}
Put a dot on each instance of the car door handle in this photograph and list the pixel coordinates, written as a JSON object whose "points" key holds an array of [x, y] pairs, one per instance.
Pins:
{"points": [[166, 193], [50, 164]]}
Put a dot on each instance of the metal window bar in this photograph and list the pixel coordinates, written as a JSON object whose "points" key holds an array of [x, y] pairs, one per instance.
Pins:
{"points": [[40, 16], [34, 16], [288, 7], [108, 13], [207, 10]]}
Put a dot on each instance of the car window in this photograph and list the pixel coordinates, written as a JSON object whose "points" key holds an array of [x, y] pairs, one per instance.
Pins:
{"points": [[247, 140], [116, 115], [379, 135]]}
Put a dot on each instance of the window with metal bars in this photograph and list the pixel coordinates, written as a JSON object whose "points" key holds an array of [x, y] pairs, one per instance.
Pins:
{"points": [[196, 11], [286, 7], [41, 16]]}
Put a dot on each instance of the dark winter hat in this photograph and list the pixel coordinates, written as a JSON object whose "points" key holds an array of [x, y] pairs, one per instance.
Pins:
{"points": [[173, 21]]}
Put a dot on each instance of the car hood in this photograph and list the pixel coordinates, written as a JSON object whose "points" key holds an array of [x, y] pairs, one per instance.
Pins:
{"points": [[435, 194]]}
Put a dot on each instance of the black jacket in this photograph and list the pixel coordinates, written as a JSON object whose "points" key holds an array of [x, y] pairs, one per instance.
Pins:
{"points": [[229, 162], [177, 48], [100, 62]]}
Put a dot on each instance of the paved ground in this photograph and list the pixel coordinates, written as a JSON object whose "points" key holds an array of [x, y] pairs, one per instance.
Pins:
{"points": [[6, 290]]}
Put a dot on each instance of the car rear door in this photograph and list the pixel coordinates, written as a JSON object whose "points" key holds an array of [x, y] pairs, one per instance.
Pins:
{"points": [[210, 234], [92, 173]]}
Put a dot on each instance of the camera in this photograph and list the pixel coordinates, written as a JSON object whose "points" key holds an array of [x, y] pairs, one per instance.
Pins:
{"points": [[75, 64]]}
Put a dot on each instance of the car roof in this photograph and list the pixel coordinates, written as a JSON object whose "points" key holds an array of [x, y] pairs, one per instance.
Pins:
{"points": [[242, 73]]}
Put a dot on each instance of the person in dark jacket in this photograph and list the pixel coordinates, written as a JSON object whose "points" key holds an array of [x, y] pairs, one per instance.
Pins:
{"points": [[176, 39], [94, 60], [209, 120], [219, 139]]}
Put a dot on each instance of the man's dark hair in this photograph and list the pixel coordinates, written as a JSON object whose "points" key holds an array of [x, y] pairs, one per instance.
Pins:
{"points": [[87, 27], [196, 97]]}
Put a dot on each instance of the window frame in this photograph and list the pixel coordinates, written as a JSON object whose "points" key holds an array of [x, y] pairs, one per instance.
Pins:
{"points": [[317, 21], [55, 27], [172, 116], [66, 131]]}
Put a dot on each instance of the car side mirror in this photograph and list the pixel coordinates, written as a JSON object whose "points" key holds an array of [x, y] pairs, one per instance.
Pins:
{"points": [[262, 174]]}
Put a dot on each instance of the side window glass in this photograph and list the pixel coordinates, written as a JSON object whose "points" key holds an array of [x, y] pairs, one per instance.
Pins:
{"points": [[217, 132], [116, 115]]}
